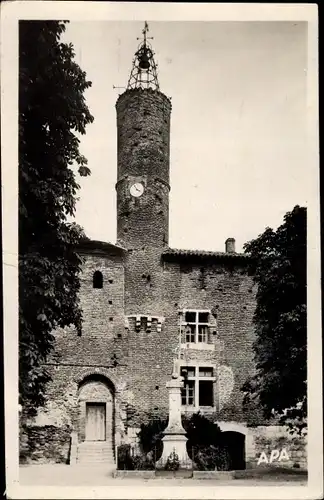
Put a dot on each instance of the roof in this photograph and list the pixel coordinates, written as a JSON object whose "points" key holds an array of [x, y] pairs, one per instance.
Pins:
{"points": [[102, 247], [204, 254]]}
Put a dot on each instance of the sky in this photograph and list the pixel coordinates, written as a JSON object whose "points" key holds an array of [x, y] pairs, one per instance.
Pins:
{"points": [[238, 158]]}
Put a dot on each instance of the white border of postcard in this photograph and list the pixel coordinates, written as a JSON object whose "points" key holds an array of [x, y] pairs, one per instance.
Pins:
{"points": [[11, 12]]}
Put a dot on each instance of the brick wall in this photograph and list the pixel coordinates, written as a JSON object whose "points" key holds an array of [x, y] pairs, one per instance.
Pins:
{"points": [[149, 290], [143, 131], [227, 291], [146, 284], [230, 294], [102, 307], [103, 329], [140, 361]]}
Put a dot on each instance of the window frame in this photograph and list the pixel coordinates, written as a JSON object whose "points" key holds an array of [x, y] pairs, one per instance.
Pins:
{"points": [[196, 379], [195, 333]]}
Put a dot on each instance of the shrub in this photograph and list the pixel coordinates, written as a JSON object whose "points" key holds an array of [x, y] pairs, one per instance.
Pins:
{"points": [[143, 462], [211, 458], [150, 436], [124, 459], [201, 432]]}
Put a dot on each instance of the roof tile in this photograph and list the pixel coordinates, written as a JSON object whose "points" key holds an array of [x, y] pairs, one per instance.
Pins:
{"points": [[203, 253]]}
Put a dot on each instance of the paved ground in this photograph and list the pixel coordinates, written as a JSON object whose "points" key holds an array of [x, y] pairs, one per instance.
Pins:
{"points": [[65, 475]]}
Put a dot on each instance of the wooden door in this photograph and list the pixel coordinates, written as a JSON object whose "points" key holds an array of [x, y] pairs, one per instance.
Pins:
{"points": [[96, 422]]}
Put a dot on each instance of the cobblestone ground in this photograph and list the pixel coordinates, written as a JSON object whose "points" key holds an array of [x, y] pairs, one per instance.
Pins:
{"points": [[63, 475]]}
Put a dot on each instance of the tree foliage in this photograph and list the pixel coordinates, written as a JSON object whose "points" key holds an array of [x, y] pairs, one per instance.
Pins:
{"points": [[278, 263], [52, 113]]}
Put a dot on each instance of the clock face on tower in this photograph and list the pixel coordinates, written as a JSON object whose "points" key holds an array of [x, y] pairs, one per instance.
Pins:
{"points": [[136, 189]]}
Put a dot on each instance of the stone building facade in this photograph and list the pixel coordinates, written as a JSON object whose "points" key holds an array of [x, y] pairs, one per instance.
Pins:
{"points": [[146, 305]]}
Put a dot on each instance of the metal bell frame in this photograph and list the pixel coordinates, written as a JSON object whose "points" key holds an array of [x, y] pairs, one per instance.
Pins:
{"points": [[144, 70]]}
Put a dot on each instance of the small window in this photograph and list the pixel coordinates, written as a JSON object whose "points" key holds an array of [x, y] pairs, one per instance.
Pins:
{"points": [[97, 279]]}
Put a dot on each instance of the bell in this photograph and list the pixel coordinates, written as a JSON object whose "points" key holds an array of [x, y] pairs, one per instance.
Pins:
{"points": [[144, 62]]}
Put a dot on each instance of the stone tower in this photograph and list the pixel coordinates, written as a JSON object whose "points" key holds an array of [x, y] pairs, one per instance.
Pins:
{"points": [[143, 135]]}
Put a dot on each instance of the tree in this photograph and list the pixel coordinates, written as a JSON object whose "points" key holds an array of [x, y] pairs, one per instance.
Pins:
{"points": [[52, 111], [278, 264]]}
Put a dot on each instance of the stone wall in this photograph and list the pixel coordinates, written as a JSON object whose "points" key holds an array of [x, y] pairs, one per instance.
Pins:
{"points": [[45, 444], [292, 449]]}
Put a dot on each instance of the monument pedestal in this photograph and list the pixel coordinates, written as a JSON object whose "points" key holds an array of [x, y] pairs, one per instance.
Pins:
{"points": [[174, 440]]}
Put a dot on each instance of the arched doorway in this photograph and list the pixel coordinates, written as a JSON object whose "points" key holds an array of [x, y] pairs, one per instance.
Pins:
{"points": [[96, 410], [234, 444]]}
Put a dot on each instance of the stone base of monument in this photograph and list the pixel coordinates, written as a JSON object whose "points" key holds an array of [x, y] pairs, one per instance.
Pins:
{"points": [[174, 446], [180, 473]]}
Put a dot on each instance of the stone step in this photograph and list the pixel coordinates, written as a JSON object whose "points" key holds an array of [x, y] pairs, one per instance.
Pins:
{"points": [[95, 450], [99, 462], [98, 448], [95, 453], [96, 444], [94, 456], [83, 454], [91, 450], [109, 463]]}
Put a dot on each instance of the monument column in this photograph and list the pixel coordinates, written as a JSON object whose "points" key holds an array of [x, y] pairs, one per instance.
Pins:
{"points": [[175, 440]]}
